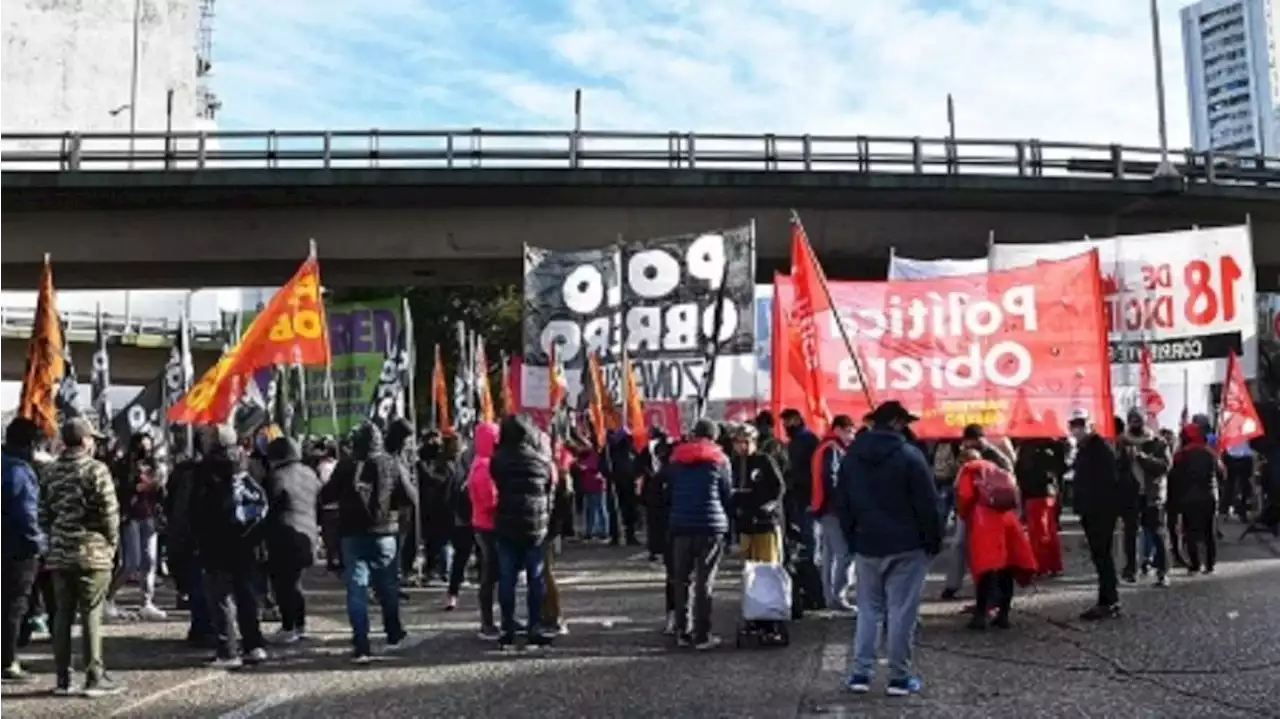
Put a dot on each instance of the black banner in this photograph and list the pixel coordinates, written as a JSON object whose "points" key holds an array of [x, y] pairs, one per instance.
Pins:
{"points": [[1181, 349], [388, 402], [143, 414]]}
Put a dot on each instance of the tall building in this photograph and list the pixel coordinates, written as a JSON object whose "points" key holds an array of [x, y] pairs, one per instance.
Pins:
{"points": [[1233, 89]]}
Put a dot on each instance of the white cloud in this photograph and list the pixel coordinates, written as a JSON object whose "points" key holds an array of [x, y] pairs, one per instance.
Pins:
{"points": [[1051, 69]]}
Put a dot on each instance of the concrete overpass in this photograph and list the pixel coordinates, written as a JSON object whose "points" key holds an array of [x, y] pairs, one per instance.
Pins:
{"points": [[416, 208]]}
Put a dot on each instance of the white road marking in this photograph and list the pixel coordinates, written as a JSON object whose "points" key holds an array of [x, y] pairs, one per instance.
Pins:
{"points": [[258, 706], [156, 696]]}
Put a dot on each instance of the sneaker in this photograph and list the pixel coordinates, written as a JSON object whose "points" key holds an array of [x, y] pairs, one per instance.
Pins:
{"points": [[1100, 612], [255, 656], [541, 639], [361, 658], [405, 641], [63, 687], [302, 635], [151, 613], [1129, 577], [684, 641], [559, 629], [488, 634], [858, 684], [226, 663], [506, 641], [670, 629], [1192, 571], [13, 674], [710, 642], [1208, 570], [102, 687], [285, 636], [450, 603], [1162, 580], [904, 687], [1001, 621], [112, 612], [949, 595]]}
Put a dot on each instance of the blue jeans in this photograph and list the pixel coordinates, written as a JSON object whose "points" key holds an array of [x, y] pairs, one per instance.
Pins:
{"points": [[597, 514], [370, 560], [798, 514], [888, 587], [513, 558], [837, 562]]}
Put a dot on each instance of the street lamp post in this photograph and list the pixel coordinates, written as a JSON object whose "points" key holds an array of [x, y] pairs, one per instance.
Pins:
{"points": [[133, 78], [1165, 168]]}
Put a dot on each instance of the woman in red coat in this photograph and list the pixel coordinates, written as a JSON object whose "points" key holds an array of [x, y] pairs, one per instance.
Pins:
{"points": [[999, 551]]}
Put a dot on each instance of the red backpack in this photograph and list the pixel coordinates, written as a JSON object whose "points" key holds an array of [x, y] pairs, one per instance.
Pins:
{"points": [[996, 487]]}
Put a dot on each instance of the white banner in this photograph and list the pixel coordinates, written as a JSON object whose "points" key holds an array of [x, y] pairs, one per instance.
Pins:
{"points": [[1189, 295], [905, 268]]}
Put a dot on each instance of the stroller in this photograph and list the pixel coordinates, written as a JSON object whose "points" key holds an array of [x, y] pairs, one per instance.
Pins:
{"points": [[766, 605]]}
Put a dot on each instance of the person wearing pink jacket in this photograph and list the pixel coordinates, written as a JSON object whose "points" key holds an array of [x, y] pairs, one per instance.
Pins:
{"points": [[484, 504]]}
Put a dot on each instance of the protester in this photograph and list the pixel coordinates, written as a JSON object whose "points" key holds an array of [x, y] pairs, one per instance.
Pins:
{"points": [[802, 445], [594, 491], [325, 464], [757, 499], [1098, 500], [434, 481], [292, 532], [370, 488], [184, 561], [837, 562], [1040, 466], [699, 491], [945, 468], [972, 437], [656, 509], [484, 504], [999, 552], [23, 540], [1193, 488], [522, 471], [397, 443], [887, 504], [81, 516], [228, 508], [140, 481], [458, 503], [1143, 466], [622, 471], [553, 622]]}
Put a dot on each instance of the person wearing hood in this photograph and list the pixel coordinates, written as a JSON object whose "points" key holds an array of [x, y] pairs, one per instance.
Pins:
{"points": [[837, 562], [887, 503], [24, 542], [434, 478], [457, 504], [370, 488], [622, 469], [1193, 488], [523, 475], [1143, 465], [802, 445], [1097, 500], [184, 564], [973, 437], [292, 532], [699, 488], [484, 504]]}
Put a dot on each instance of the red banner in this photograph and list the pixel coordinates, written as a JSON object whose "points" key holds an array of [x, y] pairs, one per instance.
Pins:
{"points": [[1015, 351]]}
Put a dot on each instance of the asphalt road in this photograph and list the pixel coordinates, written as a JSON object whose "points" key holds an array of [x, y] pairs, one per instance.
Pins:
{"points": [[1207, 647]]}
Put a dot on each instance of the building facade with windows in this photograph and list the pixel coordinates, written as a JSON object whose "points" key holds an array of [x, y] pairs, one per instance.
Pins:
{"points": [[1233, 90]]}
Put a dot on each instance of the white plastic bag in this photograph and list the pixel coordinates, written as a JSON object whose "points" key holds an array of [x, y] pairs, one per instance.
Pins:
{"points": [[766, 592]]}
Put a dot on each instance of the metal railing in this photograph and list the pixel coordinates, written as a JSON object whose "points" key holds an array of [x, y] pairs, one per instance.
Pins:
{"points": [[503, 149], [83, 325]]}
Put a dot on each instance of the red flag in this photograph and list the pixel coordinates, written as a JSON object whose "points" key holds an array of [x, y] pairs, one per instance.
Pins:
{"points": [[1149, 398], [1238, 419], [485, 410], [291, 329], [440, 394], [802, 327], [597, 399], [507, 393], [634, 406]]}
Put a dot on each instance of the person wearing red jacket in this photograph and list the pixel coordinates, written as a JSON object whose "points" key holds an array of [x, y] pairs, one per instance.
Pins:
{"points": [[484, 505], [837, 560], [999, 552]]}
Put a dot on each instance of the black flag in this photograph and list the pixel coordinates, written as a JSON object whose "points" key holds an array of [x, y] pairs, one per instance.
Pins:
{"points": [[100, 379], [145, 413], [68, 397], [388, 402]]}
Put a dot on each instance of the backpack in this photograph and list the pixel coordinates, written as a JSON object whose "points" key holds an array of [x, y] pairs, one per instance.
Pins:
{"points": [[248, 504], [996, 487]]}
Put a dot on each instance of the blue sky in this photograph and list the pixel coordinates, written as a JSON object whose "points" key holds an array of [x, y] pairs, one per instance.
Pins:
{"points": [[1051, 69]]}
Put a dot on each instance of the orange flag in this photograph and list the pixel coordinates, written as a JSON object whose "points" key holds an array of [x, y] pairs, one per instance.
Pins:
{"points": [[440, 394], [291, 329], [559, 386], [634, 406], [45, 365], [506, 393], [596, 398], [1238, 419], [485, 410]]}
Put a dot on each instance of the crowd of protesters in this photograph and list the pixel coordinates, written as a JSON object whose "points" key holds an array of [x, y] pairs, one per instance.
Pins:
{"points": [[856, 516]]}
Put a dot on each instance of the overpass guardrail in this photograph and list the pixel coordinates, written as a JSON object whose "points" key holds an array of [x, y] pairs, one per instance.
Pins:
{"points": [[195, 151]]}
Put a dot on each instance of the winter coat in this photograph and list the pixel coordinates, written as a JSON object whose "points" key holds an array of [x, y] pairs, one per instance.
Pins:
{"points": [[293, 491], [800, 465], [995, 538], [1146, 468], [22, 535], [824, 470], [220, 544], [480, 487], [1196, 471], [758, 499], [1039, 468], [522, 475], [387, 479], [699, 489], [80, 513], [592, 479], [1095, 482], [887, 501]]}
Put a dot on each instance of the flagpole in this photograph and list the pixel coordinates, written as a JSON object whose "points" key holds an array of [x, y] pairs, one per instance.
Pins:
{"points": [[435, 403], [187, 369], [411, 350], [844, 333], [713, 353], [331, 395]]}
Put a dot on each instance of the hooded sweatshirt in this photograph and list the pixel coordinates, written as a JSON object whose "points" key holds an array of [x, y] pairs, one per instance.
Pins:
{"points": [[523, 475], [1193, 478], [699, 488], [292, 491], [484, 498], [886, 498]]}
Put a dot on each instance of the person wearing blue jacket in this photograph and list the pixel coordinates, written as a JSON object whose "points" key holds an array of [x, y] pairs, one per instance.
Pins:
{"points": [[887, 503], [23, 540], [699, 491]]}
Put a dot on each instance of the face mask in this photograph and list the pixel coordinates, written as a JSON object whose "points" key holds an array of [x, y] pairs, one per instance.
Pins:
{"points": [[1078, 433], [792, 430]]}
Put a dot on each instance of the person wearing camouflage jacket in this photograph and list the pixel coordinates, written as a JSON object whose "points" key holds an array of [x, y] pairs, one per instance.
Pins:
{"points": [[81, 516]]}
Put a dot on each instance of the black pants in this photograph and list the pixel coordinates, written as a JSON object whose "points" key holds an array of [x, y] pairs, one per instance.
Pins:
{"points": [[696, 558], [464, 542], [286, 582], [407, 545], [19, 577], [1198, 522], [1130, 524], [622, 508], [1099, 533], [994, 586], [42, 602], [488, 546], [656, 530], [234, 605], [1171, 519], [1237, 490]]}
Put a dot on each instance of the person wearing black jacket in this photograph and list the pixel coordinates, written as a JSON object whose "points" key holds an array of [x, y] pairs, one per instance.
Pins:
{"points": [[370, 487], [457, 503], [1039, 468], [1098, 501], [1143, 460], [799, 480], [292, 532], [1193, 489], [184, 563], [522, 476], [757, 497], [622, 469]]}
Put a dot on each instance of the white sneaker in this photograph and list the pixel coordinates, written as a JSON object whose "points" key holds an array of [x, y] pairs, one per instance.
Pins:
{"points": [[112, 612], [406, 641], [285, 636], [152, 613], [227, 663], [257, 655], [670, 629]]}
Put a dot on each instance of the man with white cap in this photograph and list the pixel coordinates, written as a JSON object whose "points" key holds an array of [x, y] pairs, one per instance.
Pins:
{"points": [[1097, 500]]}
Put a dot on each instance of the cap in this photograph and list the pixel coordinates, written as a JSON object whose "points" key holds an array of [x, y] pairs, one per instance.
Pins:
{"points": [[1079, 416], [892, 411], [706, 429], [76, 430]]}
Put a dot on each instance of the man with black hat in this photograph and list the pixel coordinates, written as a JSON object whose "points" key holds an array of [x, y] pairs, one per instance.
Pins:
{"points": [[888, 507], [1097, 500], [82, 518]]}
